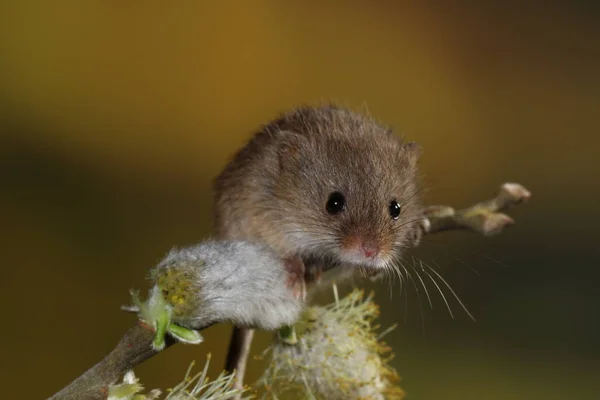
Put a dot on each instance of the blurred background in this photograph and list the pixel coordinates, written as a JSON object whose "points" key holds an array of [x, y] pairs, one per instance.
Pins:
{"points": [[116, 116]]}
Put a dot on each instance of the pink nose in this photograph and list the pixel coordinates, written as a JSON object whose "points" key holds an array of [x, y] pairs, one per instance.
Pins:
{"points": [[370, 249]]}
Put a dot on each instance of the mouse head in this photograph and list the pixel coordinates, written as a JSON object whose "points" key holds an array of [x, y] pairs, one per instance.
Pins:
{"points": [[347, 188]]}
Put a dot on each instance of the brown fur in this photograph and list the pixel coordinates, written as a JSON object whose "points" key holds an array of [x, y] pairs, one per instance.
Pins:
{"points": [[275, 189]]}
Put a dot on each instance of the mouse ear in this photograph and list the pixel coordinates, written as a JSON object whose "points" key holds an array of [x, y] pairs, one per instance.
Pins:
{"points": [[413, 152], [290, 149]]}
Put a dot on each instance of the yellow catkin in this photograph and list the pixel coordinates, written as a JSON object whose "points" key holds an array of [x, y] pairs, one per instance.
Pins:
{"points": [[177, 288]]}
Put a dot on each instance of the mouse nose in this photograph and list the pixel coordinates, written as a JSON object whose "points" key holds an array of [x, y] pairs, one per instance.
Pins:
{"points": [[370, 248]]}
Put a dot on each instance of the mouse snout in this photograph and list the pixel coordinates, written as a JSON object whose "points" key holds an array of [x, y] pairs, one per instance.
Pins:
{"points": [[370, 248], [361, 250]]}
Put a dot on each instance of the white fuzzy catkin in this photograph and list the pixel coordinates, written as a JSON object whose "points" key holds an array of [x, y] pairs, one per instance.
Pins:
{"points": [[227, 281], [338, 356]]}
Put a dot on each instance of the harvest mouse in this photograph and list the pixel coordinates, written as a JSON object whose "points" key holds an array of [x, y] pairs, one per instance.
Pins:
{"points": [[326, 188], [323, 185]]}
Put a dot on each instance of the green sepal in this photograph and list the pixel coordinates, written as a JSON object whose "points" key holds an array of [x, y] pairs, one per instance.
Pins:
{"points": [[161, 325], [157, 312], [124, 390], [184, 334]]}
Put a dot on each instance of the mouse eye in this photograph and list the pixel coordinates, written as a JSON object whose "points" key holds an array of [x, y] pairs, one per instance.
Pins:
{"points": [[395, 209], [336, 203]]}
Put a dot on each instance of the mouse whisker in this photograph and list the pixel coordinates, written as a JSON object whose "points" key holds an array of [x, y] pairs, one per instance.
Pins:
{"points": [[449, 251], [400, 276], [439, 276], [395, 260], [452, 291], [391, 271], [409, 275], [423, 284], [441, 293], [405, 223]]}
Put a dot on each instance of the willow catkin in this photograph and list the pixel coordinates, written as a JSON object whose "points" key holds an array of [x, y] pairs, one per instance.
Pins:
{"points": [[336, 355], [238, 282]]}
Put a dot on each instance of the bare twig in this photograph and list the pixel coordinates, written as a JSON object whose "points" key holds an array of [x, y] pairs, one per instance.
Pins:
{"points": [[483, 217], [134, 348]]}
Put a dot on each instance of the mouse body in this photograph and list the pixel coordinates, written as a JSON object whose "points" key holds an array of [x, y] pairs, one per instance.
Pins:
{"points": [[331, 191], [326, 188]]}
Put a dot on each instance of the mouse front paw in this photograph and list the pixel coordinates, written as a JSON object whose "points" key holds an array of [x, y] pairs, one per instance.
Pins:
{"points": [[295, 268], [421, 227]]}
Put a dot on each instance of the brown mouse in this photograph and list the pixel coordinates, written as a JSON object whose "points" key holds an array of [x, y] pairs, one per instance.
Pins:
{"points": [[325, 187]]}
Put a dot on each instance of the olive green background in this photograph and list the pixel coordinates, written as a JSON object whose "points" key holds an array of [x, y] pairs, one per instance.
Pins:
{"points": [[117, 115]]}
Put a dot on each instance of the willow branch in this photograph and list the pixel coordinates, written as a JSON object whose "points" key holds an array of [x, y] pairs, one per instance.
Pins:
{"points": [[484, 217], [193, 288], [134, 348]]}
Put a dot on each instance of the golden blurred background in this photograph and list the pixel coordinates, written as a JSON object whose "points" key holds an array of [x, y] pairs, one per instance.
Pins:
{"points": [[115, 117]]}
